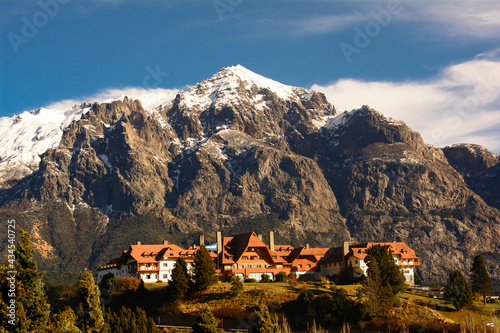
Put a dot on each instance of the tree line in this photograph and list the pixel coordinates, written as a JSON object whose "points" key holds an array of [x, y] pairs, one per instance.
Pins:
{"points": [[32, 311]]}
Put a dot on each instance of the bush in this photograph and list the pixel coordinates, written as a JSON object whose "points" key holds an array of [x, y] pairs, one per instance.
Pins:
{"points": [[281, 277], [250, 280], [128, 284], [236, 286], [264, 278], [205, 322], [304, 299]]}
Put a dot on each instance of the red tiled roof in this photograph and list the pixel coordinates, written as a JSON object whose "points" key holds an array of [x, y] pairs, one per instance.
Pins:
{"points": [[313, 253], [359, 251], [236, 246]]}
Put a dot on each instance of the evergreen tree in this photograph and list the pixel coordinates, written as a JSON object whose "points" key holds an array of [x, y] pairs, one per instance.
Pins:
{"points": [[179, 284], [204, 270], [376, 297], [391, 275], [205, 322], [480, 279], [128, 321], [31, 307], [89, 311], [236, 286], [263, 322], [64, 322], [458, 290]]}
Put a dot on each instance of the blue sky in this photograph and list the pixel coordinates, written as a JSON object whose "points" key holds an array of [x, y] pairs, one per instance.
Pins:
{"points": [[423, 62]]}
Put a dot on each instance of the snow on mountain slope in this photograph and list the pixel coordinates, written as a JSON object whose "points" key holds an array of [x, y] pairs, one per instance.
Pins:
{"points": [[31, 133], [225, 88]]}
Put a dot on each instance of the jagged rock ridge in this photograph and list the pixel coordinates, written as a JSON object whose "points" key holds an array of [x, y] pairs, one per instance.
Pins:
{"points": [[241, 151]]}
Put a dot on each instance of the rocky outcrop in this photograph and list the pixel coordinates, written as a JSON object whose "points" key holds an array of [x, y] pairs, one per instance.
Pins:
{"points": [[239, 152]]}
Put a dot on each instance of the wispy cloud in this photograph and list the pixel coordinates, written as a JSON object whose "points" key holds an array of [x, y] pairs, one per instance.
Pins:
{"points": [[111, 94], [461, 104], [321, 24], [464, 19]]}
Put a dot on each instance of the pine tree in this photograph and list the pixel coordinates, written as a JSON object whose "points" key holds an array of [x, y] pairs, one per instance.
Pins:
{"points": [[236, 286], [480, 279], [376, 296], [64, 322], [458, 290], [205, 322], [89, 311], [31, 307], [204, 270], [263, 322], [128, 321], [391, 275], [179, 284]]}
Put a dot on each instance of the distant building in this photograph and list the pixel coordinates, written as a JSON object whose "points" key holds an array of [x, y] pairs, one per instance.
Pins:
{"points": [[247, 256], [349, 259]]}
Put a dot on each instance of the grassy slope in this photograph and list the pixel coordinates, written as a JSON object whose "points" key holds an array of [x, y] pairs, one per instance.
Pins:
{"points": [[224, 305]]}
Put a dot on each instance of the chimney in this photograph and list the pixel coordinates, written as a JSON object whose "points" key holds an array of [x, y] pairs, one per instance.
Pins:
{"points": [[307, 246], [219, 242], [345, 251], [202, 239], [138, 242], [271, 240], [260, 236], [165, 242]]}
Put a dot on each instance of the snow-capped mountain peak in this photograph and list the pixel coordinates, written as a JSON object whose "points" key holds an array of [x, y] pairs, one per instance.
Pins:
{"points": [[231, 84]]}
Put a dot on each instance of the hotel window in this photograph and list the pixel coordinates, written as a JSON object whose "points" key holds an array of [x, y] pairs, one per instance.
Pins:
{"points": [[165, 276], [300, 266], [356, 261], [274, 257], [148, 276], [245, 258], [308, 266], [165, 264]]}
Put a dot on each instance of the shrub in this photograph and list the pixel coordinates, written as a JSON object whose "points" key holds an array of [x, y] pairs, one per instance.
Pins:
{"points": [[264, 278], [205, 323], [250, 280], [281, 277], [236, 286], [128, 284]]}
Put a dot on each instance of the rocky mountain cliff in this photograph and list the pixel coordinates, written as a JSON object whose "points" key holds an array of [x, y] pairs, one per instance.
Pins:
{"points": [[240, 152]]}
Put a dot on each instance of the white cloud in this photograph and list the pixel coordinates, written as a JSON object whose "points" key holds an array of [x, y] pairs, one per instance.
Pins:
{"points": [[462, 104], [462, 19], [147, 96]]}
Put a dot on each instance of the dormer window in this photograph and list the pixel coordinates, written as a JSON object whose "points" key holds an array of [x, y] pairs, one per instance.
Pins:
{"points": [[245, 258]]}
